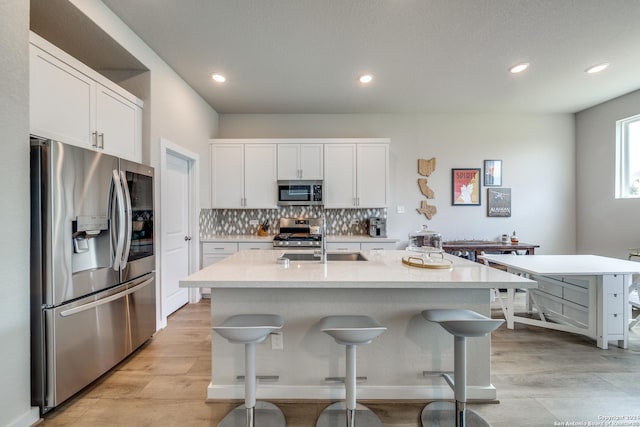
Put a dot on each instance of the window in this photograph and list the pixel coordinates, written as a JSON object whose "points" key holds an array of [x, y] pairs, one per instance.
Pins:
{"points": [[628, 157]]}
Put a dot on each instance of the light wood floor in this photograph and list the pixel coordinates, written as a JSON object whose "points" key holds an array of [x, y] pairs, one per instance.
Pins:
{"points": [[542, 377]]}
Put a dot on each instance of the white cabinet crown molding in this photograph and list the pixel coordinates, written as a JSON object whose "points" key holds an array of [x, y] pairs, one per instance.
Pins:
{"points": [[79, 66]]}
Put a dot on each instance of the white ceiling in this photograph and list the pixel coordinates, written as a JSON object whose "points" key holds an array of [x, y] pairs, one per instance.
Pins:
{"points": [[305, 56]]}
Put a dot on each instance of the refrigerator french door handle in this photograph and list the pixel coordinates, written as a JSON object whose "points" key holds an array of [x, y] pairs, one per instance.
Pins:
{"points": [[128, 220], [121, 230], [106, 300]]}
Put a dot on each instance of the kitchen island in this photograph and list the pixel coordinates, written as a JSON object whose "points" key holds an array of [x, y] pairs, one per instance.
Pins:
{"points": [[397, 365]]}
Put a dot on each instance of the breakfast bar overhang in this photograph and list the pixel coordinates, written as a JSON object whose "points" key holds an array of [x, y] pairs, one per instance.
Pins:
{"points": [[403, 363]]}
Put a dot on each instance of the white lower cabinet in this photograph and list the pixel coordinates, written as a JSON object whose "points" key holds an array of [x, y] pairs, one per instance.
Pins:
{"points": [[213, 252], [360, 246], [243, 246], [378, 246], [343, 246]]}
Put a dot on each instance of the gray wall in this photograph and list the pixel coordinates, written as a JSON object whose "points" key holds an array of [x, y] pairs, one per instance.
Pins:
{"points": [[606, 225], [15, 408], [537, 151], [173, 110], [176, 112]]}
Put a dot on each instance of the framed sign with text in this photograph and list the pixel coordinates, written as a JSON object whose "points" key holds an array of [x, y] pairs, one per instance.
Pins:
{"points": [[499, 202], [465, 187]]}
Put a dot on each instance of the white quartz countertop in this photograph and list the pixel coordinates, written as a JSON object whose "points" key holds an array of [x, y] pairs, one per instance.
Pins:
{"points": [[384, 269], [251, 238], [566, 264]]}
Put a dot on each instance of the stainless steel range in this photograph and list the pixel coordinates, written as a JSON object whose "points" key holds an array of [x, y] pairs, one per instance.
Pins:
{"points": [[298, 233]]}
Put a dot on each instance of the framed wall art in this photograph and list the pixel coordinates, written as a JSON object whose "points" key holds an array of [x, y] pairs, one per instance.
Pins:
{"points": [[499, 202], [493, 173], [465, 187]]}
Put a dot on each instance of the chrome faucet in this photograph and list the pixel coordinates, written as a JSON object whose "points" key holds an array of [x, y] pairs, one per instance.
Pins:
{"points": [[323, 241]]}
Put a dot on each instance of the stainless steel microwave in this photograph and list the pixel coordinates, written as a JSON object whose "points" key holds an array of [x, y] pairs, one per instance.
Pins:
{"points": [[299, 193]]}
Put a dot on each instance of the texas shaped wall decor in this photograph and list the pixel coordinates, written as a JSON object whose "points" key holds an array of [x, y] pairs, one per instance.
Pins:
{"points": [[425, 168]]}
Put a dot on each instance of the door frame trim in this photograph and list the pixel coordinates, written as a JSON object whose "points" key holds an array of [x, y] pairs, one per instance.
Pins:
{"points": [[168, 147]]}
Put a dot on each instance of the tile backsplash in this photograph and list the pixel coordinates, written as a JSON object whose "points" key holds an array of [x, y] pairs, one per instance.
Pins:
{"points": [[236, 221]]}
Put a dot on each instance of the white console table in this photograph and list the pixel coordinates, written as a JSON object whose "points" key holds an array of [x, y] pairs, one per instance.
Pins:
{"points": [[583, 294]]}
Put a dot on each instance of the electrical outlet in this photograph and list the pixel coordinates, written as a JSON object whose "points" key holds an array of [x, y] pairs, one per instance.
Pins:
{"points": [[277, 341], [253, 222], [400, 209]]}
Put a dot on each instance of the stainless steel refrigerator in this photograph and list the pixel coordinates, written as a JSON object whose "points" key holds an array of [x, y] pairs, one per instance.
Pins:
{"points": [[93, 296]]}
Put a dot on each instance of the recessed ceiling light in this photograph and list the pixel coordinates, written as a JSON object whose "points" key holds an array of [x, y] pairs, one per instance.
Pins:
{"points": [[218, 78], [597, 68], [366, 78], [518, 68]]}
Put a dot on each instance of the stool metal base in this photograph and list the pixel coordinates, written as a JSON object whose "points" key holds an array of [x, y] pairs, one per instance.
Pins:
{"points": [[266, 415], [443, 414], [336, 415]]}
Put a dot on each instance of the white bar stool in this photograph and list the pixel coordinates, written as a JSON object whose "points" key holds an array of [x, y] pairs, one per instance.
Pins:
{"points": [[350, 331], [251, 329], [461, 324]]}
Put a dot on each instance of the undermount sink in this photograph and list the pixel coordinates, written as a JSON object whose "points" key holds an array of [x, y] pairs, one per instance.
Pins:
{"points": [[346, 256], [331, 256]]}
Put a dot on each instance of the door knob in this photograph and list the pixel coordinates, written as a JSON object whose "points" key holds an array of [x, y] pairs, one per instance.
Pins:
{"points": [[187, 238]]}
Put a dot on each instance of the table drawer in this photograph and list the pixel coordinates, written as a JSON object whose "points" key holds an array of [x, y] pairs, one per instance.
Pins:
{"points": [[615, 323], [614, 303], [613, 284]]}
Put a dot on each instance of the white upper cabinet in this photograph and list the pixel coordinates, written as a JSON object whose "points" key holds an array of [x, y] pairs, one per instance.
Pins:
{"points": [[300, 161], [227, 175], [118, 124], [61, 100], [372, 175], [243, 176], [71, 103], [356, 175], [339, 187], [260, 176]]}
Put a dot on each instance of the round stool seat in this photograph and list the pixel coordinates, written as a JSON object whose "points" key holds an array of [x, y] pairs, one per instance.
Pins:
{"points": [[463, 323], [352, 330], [249, 328]]}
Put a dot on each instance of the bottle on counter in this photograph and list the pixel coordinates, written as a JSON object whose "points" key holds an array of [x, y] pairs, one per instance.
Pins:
{"points": [[514, 238]]}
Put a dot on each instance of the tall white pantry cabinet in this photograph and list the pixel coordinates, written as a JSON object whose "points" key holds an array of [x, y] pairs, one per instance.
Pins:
{"points": [[71, 103]]}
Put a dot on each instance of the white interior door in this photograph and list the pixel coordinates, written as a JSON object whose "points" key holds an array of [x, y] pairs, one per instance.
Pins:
{"points": [[176, 239]]}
